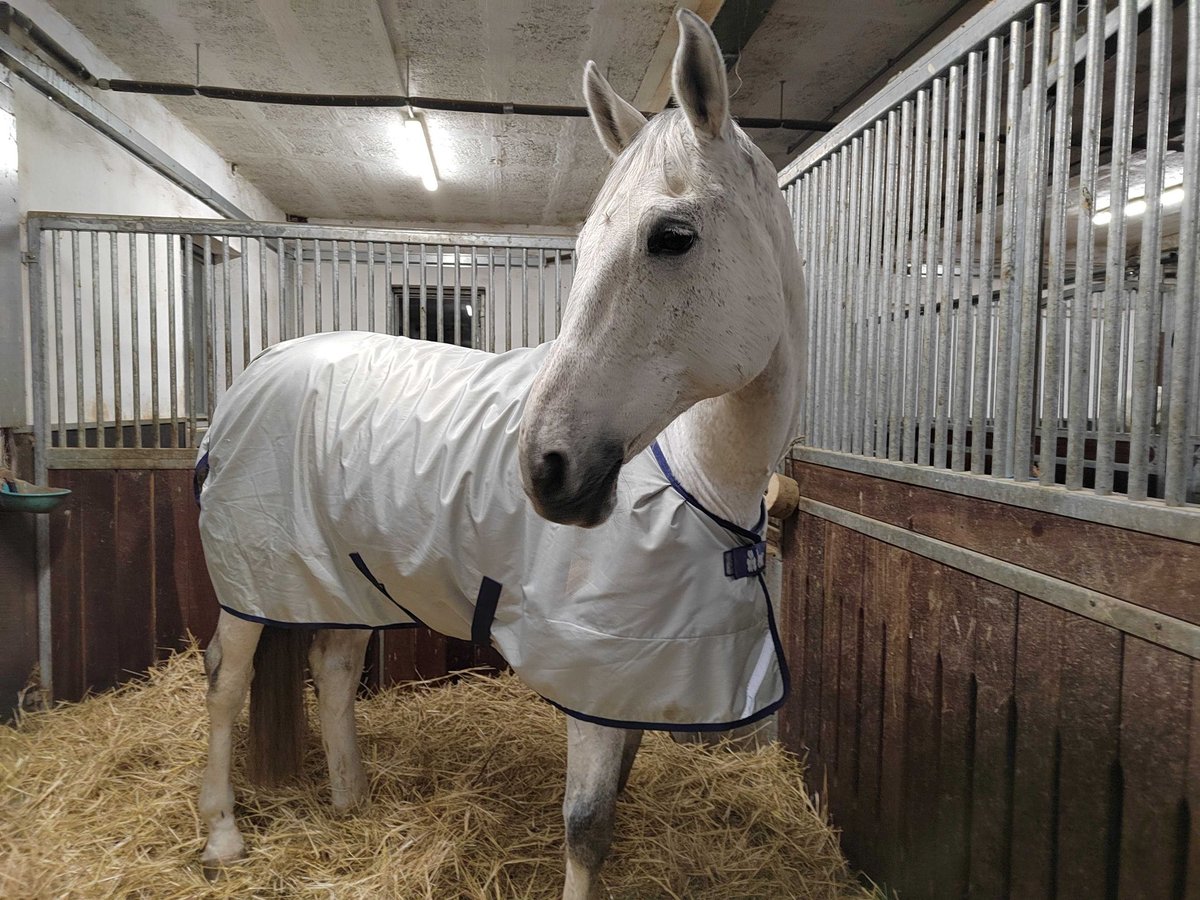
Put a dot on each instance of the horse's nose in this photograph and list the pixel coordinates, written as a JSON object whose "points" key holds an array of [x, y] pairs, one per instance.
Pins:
{"points": [[549, 474]]}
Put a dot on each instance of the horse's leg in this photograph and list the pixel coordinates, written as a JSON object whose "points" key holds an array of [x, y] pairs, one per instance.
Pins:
{"points": [[598, 759], [336, 659], [229, 662]]}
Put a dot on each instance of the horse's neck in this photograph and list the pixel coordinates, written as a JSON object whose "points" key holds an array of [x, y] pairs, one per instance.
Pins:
{"points": [[724, 450]]}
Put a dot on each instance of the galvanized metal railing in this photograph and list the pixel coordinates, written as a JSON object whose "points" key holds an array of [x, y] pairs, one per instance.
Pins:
{"points": [[1002, 267], [142, 324]]}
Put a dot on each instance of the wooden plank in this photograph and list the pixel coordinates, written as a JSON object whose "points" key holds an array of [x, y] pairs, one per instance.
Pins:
{"points": [[129, 615], [169, 626], [921, 841], [398, 656], [18, 607], [956, 731], [430, 654], [877, 595], [97, 490], [1035, 788], [195, 600], [995, 737], [830, 650], [1192, 886], [1156, 572], [814, 618], [1089, 715], [892, 590], [845, 589], [1155, 721], [789, 608], [66, 597]]}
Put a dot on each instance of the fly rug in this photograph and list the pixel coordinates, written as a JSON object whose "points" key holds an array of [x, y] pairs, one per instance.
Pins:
{"points": [[591, 507]]}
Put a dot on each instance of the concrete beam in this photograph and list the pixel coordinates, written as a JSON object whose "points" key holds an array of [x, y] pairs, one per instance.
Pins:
{"points": [[655, 90]]}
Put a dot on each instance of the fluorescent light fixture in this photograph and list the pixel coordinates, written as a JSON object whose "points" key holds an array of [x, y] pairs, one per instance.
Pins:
{"points": [[470, 310], [1103, 217], [419, 151], [1135, 207], [1173, 196]]}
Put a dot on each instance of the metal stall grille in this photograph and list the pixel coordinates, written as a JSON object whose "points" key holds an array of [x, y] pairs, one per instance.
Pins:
{"points": [[142, 324], [1001, 255]]}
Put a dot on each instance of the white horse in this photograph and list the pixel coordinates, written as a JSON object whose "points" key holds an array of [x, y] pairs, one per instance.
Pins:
{"points": [[686, 323]]}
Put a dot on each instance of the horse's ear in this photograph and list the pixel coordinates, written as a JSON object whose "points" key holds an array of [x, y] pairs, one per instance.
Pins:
{"points": [[615, 120], [698, 78]]}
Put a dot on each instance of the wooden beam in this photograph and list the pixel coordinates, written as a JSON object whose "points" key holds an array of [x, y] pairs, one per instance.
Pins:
{"points": [[655, 89]]}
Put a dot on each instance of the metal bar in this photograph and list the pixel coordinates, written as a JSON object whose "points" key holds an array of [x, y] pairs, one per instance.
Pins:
{"points": [[244, 265], [227, 307], [318, 324], [1148, 314], [281, 279], [967, 318], [389, 291], [876, 277], [557, 292], [944, 357], [1180, 449], [209, 281], [152, 287], [97, 363], [189, 348], [1114, 279], [1031, 216], [457, 299], [493, 306], [1064, 99], [39, 394], [927, 318], [912, 291], [885, 291], [819, 341], [858, 378], [77, 342], [541, 268], [1081, 300], [896, 371], [439, 304], [217, 227], [1009, 257], [298, 287], [370, 286], [114, 269], [405, 296], [838, 308], [172, 353], [335, 286], [60, 380], [353, 286], [507, 300], [804, 234], [476, 302], [423, 301], [1166, 631], [525, 304], [135, 341]]}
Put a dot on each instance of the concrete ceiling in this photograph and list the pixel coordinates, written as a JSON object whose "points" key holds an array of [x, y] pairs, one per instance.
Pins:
{"points": [[343, 164]]}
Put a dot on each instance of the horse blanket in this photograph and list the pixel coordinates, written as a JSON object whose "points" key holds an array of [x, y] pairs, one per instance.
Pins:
{"points": [[360, 480]]}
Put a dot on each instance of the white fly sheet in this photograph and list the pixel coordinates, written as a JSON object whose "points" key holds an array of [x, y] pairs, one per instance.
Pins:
{"points": [[361, 480]]}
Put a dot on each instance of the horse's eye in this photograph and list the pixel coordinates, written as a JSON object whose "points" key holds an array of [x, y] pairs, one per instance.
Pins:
{"points": [[670, 240]]}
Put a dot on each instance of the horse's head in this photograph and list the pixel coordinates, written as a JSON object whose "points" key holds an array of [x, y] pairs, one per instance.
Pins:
{"points": [[677, 294]]}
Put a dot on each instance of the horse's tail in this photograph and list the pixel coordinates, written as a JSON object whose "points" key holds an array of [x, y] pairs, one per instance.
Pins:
{"points": [[278, 721]]}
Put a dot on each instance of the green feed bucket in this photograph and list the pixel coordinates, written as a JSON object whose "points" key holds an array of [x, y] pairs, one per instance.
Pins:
{"points": [[17, 495]]}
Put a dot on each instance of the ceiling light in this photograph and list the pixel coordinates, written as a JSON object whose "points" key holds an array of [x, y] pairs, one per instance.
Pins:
{"points": [[1103, 217], [1135, 207], [1173, 196], [469, 310], [419, 151]]}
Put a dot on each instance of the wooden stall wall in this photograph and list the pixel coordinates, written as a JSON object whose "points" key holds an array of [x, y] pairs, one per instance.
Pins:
{"points": [[18, 608], [975, 742], [129, 585]]}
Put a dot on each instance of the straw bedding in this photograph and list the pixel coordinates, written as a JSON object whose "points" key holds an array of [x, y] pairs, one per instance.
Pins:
{"points": [[99, 799]]}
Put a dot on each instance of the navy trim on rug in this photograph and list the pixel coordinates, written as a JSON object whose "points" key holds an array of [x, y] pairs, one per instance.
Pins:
{"points": [[753, 535], [199, 474], [275, 623], [357, 559], [485, 611], [784, 674]]}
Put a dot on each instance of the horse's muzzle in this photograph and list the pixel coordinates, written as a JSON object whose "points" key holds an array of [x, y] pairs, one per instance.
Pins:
{"points": [[572, 488]]}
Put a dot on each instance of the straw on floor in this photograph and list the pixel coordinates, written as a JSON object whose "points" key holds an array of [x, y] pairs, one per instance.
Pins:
{"points": [[99, 800]]}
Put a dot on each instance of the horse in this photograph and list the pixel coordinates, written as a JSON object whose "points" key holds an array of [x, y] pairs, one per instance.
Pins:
{"points": [[684, 335]]}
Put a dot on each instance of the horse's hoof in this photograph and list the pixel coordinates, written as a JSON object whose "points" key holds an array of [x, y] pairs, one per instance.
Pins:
{"points": [[213, 869]]}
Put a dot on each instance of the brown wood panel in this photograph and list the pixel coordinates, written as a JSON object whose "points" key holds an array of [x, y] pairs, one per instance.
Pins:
{"points": [[831, 634], [891, 592], [1155, 721], [98, 578], [1191, 886], [814, 621], [1035, 787], [956, 730], [129, 613], [1089, 714], [18, 607], [1151, 571], [921, 841], [845, 590], [995, 726], [871, 705], [789, 609], [66, 607], [184, 598]]}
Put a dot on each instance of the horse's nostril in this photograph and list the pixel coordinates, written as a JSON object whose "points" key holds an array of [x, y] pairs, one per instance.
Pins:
{"points": [[551, 474]]}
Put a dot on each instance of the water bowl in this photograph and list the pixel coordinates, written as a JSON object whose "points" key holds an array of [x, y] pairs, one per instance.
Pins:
{"points": [[17, 495]]}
